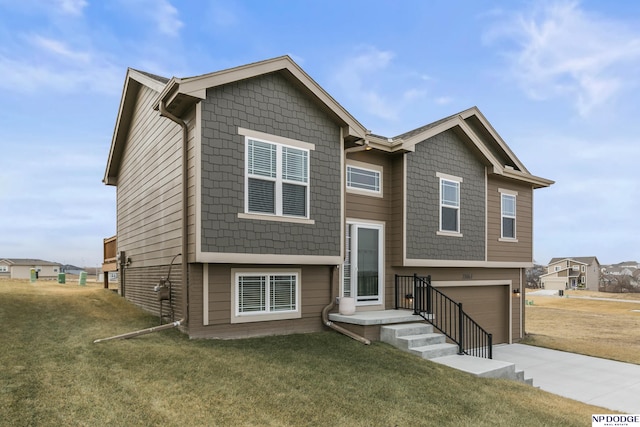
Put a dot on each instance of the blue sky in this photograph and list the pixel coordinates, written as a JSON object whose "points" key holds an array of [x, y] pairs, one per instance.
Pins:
{"points": [[559, 81]]}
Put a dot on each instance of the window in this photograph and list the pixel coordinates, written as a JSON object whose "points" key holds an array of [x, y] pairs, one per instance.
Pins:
{"points": [[449, 205], [277, 180], [557, 268], [367, 180], [508, 216], [261, 296], [4, 269], [582, 279], [583, 268]]}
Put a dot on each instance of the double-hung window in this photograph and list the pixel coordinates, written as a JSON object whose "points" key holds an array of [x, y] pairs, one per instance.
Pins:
{"points": [[4, 269], [449, 204], [277, 180], [261, 296], [508, 216]]}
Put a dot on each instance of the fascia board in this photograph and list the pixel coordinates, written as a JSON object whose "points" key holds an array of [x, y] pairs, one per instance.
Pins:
{"points": [[538, 182], [129, 90], [196, 87], [474, 111], [410, 143], [133, 81]]}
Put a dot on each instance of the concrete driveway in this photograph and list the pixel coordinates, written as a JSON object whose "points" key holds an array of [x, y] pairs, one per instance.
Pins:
{"points": [[600, 382]]}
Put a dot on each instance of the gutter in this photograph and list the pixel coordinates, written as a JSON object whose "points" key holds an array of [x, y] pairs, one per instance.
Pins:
{"points": [[185, 227], [330, 324]]}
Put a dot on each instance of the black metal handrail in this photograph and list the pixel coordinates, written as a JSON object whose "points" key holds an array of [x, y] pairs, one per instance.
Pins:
{"points": [[446, 315]]}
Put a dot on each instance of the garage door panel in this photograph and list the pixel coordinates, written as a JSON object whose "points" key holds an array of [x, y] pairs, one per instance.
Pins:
{"points": [[487, 305]]}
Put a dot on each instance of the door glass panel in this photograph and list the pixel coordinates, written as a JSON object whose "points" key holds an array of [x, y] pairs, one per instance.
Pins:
{"points": [[368, 268]]}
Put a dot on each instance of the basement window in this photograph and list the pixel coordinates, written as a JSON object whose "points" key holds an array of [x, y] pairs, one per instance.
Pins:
{"points": [[260, 295]]}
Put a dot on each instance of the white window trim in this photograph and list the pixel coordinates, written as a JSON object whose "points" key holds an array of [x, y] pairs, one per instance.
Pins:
{"points": [[237, 317], [4, 269], [279, 142], [369, 168], [458, 180], [504, 192]]}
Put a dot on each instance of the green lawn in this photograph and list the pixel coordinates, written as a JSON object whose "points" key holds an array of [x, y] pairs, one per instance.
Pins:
{"points": [[51, 374]]}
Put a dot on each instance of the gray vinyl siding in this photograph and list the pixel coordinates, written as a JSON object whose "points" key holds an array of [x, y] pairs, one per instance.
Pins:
{"points": [[520, 251], [149, 187], [272, 105], [149, 202], [446, 153], [139, 283]]}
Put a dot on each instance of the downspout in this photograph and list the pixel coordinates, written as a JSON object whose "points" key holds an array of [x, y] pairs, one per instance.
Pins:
{"points": [[185, 227], [141, 332], [330, 306]]}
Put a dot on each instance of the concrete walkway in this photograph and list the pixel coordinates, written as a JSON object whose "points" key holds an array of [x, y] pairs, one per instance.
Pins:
{"points": [[601, 382]]}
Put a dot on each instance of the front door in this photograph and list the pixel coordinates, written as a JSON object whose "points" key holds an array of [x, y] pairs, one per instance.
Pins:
{"points": [[362, 270]]}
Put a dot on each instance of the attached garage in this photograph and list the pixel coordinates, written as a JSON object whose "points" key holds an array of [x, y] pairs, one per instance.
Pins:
{"points": [[554, 283], [488, 305]]}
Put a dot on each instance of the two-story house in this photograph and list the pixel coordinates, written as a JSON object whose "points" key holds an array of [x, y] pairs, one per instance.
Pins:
{"points": [[266, 200], [572, 273]]}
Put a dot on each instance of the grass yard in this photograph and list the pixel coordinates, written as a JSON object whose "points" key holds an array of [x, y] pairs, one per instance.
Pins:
{"points": [[608, 329], [51, 374]]}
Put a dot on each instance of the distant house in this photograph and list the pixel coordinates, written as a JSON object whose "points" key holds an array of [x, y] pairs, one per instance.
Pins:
{"points": [[572, 273], [71, 269], [20, 268], [276, 200]]}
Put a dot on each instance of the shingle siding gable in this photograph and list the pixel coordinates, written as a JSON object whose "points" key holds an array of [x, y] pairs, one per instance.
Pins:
{"points": [[268, 104], [444, 153]]}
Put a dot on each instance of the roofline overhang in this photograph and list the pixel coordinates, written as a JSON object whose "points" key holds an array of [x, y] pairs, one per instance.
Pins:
{"points": [[193, 89], [132, 83]]}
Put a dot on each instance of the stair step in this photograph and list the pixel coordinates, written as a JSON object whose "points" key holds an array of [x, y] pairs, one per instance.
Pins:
{"points": [[420, 339], [391, 333], [412, 341], [434, 350]]}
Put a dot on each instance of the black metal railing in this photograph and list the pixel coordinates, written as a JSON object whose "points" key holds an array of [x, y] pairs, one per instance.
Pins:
{"points": [[416, 293]]}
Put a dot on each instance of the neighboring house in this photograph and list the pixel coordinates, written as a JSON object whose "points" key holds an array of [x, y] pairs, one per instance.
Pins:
{"points": [[71, 269], [20, 268], [572, 273], [290, 202]]}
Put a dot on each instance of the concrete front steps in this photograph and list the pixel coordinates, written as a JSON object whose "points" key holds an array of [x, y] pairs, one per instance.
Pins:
{"points": [[421, 340]]}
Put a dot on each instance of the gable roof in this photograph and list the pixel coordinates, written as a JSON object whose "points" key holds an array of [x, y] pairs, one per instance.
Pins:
{"points": [[587, 260], [133, 81], [179, 94], [26, 261], [481, 136]]}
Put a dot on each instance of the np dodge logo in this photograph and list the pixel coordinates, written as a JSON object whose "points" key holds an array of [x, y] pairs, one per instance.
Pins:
{"points": [[608, 420]]}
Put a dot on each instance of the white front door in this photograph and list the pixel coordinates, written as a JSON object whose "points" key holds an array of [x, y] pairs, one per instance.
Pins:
{"points": [[363, 267]]}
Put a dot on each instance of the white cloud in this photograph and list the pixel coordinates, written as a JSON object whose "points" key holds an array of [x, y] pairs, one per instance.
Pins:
{"points": [[373, 80], [72, 7], [357, 76], [563, 51], [166, 17]]}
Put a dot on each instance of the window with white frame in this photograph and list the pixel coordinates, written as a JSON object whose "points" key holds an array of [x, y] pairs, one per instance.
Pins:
{"points": [[266, 295], [449, 205], [4, 269], [582, 279], [363, 179], [277, 179], [583, 268], [508, 216], [557, 268]]}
